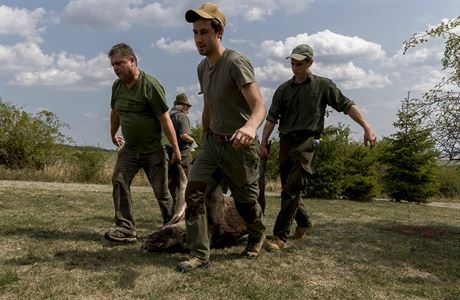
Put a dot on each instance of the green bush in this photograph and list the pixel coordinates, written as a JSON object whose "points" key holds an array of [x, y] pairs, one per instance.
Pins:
{"points": [[28, 140], [329, 165], [90, 165], [360, 182], [448, 178]]}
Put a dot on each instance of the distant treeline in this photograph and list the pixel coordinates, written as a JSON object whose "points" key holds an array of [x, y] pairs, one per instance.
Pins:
{"points": [[401, 167]]}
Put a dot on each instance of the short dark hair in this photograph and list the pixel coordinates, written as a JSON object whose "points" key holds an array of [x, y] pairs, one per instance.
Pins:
{"points": [[124, 49], [216, 25]]}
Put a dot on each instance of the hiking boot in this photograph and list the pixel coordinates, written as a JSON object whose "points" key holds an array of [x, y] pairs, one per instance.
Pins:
{"points": [[275, 244], [254, 246], [121, 235], [192, 264], [300, 232]]}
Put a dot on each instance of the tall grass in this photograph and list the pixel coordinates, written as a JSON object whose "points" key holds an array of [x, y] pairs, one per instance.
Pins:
{"points": [[84, 167]]}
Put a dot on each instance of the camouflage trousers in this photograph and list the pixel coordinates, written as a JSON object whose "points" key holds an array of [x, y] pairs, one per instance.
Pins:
{"points": [[155, 166]]}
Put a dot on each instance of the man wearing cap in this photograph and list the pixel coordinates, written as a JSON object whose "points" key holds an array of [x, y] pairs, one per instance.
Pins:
{"points": [[181, 122], [233, 110], [139, 107], [177, 181], [299, 105]]}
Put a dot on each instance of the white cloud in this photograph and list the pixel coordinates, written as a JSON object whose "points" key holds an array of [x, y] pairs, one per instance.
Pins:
{"points": [[273, 71], [259, 10], [49, 77], [428, 80], [122, 14], [267, 94], [175, 46], [335, 52], [326, 44], [23, 56], [351, 77], [416, 57], [30, 67], [22, 22]]}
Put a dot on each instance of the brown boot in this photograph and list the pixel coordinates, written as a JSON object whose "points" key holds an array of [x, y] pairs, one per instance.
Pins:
{"points": [[275, 244], [254, 246], [192, 264], [300, 232]]}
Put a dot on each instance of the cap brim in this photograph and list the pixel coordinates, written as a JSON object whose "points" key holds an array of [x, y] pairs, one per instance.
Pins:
{"points": [[298, 56], [193, 14]]}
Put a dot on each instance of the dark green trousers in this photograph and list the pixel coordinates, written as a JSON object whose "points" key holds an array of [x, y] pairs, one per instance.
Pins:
{"points": [[296, 164], [238, 169], [155, 166]]}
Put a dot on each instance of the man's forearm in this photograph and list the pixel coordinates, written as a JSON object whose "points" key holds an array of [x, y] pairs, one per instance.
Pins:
{"points": [[114, 122], [268, 129], [358, 117]]}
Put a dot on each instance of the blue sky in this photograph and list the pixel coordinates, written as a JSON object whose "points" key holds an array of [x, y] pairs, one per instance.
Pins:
{"points": [[53, 53]]}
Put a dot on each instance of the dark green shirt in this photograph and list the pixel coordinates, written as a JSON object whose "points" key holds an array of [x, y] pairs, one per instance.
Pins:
{"points": [[301, 106], [138, 109], [181, 124], [221, 85]]}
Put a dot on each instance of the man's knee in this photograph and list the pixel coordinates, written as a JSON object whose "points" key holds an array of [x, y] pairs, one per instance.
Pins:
{"points": [[194, 197], [248, 211]]}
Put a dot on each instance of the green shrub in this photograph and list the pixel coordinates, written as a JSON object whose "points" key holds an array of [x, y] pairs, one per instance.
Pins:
{"points": [[360, 182], [448, 179], [28, 140], [89, 164], [329, 165]]}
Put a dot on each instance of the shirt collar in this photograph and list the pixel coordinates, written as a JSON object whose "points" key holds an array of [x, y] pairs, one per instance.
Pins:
{"points": [[308, 80]]}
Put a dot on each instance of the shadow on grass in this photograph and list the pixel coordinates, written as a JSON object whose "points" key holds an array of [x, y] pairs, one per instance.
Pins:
{"points": [[424, 249], [52, 234]]}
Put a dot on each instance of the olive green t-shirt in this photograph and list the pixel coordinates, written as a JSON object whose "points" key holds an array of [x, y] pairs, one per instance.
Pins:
{"points": [[302, 106], [138, 109], [221, 85]]}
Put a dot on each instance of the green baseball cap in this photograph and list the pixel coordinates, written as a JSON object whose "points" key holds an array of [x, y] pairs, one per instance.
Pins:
{"points": [[206, 11], [301, 52], [181, 99]]}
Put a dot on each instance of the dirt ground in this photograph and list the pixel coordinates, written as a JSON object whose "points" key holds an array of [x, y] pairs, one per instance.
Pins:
{"points": [[58, 186]]}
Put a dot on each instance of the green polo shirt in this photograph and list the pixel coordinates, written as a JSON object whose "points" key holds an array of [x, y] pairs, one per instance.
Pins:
{"points": [[221, 85], [302, 106], [138, 109]]}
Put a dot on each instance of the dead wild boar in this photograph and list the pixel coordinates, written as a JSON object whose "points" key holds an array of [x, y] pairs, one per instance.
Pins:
{"points": [[225, 224]]}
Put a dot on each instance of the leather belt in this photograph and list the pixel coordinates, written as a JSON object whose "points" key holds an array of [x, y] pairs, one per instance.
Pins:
{"points": [[300, 134], [221, 138]]}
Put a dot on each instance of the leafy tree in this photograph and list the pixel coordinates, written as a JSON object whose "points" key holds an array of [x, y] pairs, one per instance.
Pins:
{"points": [[27, 140], [410, 158], [440, 106]]}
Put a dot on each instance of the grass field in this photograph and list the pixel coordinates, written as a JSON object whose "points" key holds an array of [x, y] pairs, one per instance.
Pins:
{"points": [[52, 247]]}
